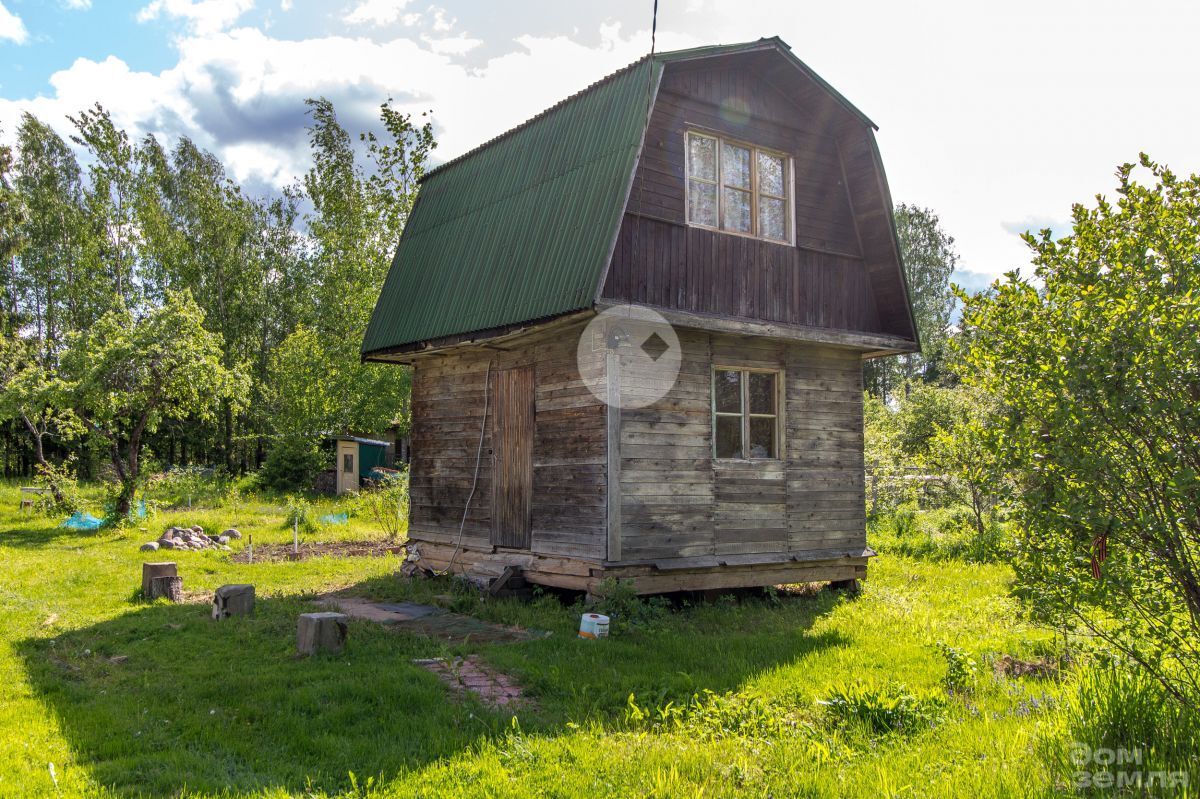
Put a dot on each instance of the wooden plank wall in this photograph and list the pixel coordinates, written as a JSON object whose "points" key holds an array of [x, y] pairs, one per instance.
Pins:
{"points": [[659, 260], [679, 502], [569, 446]]}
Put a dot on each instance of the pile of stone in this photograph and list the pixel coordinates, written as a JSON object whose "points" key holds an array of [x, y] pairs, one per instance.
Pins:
{"points": [[192, 537]]}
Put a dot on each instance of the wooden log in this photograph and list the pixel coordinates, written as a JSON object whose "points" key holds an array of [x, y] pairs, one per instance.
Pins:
{"points": [[233, 600], [166, 586], [321, 632], [152, 570]]}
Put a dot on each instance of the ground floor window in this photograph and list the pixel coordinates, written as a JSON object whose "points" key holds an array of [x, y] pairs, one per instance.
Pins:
{"points": [[745, 413]]}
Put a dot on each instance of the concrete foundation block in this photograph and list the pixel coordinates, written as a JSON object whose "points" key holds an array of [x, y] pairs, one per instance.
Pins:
{"points": [[321, 632], [233, 600]]}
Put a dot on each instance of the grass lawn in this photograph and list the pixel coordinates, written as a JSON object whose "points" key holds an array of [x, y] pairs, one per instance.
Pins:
{"points": [[198, 708]]}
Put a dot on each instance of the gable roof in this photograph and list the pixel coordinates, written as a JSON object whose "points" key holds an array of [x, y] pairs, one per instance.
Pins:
{"points": [[522, 227]]}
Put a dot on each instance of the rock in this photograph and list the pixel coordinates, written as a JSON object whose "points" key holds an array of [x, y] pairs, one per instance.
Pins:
{"points": [[149, 546], [222, 539], [168, 543], [197, 529], [226, 547], [118, 659], [321, 632], [232, 532], [233, 600]]}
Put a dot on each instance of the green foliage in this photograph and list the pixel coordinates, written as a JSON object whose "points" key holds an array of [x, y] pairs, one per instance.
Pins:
{"points": [[1123, 710], [65, 496], [890, 708], [300, 514], [386, 504], [127, 374], [1094, 363], [187, 486], [929, 260], [293, 463], [710, 716], [627, 611], [961, 670]]}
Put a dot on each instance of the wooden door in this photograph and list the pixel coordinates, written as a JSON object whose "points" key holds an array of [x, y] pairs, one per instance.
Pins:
{"points": [[512, 457], [347, 466]]}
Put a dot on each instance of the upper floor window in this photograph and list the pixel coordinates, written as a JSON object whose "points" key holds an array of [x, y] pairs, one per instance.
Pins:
{"points": [[738, 187]]}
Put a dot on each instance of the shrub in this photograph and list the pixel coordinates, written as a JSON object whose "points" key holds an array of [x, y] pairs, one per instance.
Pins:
{"points": [[293, 463], [386, 503], [961, 670], [619, 601], [1122, 709], [65, 496], [882, 709]]}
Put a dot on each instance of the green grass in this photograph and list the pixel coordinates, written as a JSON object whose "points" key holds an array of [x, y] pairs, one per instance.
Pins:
{"points": [[726, 696]]}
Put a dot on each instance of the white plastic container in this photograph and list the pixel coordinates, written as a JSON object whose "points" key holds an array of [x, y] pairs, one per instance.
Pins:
{"points": [[593, 625]]}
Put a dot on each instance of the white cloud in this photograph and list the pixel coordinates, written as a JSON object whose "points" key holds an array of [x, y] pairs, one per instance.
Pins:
{"points": [[11, 26], [78, 5], [240, 92], [991, 131], [203, 16], [285, 5], [451, 45], [376, 12]]}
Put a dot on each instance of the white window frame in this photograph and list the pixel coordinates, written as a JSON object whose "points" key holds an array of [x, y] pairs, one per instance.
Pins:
{"points": [[789, 191], [745, 413]]}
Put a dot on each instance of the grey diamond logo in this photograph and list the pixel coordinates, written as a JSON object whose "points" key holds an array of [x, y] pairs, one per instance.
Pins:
{"points": [[655, 347]]}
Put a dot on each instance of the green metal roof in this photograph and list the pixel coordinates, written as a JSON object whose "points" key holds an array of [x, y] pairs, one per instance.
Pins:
{"points": [[521, 228]]}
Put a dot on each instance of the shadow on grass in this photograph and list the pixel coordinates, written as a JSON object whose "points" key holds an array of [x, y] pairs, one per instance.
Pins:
{"points": [[163, 698]]}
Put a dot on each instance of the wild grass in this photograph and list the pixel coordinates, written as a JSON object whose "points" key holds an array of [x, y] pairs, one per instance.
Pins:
{"points": [[729, 698]]}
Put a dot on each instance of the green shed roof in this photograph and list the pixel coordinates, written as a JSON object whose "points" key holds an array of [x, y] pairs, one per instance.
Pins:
{"points": [[521, 228]]}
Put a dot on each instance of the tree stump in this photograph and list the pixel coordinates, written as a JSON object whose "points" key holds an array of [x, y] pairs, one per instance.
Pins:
{"points": [[169, 586], [233, 600], [152, 570], [321, 632]]}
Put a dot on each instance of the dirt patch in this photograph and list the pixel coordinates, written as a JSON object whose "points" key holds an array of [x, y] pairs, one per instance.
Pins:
{"points": [[471, 674], [1009, 666], [319, 549]]}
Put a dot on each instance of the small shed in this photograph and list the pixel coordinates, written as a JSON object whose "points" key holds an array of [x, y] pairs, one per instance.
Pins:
{"points": [[355, 458]]}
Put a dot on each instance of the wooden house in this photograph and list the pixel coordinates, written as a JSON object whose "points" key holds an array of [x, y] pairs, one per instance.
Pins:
{"points": [[728, 191]]}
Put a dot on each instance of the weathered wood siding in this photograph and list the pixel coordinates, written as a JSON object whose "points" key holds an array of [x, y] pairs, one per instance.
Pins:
{"points": [[823, 281], [677, 501], [568, 513]]}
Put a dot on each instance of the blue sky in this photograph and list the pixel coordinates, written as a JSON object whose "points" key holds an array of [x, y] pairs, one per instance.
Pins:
{"points": [[997, 116]]}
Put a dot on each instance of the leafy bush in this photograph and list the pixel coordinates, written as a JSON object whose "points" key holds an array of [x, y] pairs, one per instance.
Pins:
{"points": [[65, 496], [708, 715], [300, 513], [1094, 361], [961, 670], [386, 503], [619, 601], [293, 463], [187, 486], [882, 709]]}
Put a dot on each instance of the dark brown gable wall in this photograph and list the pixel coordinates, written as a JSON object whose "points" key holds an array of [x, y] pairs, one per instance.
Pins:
{"points": [[659, 260]]}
